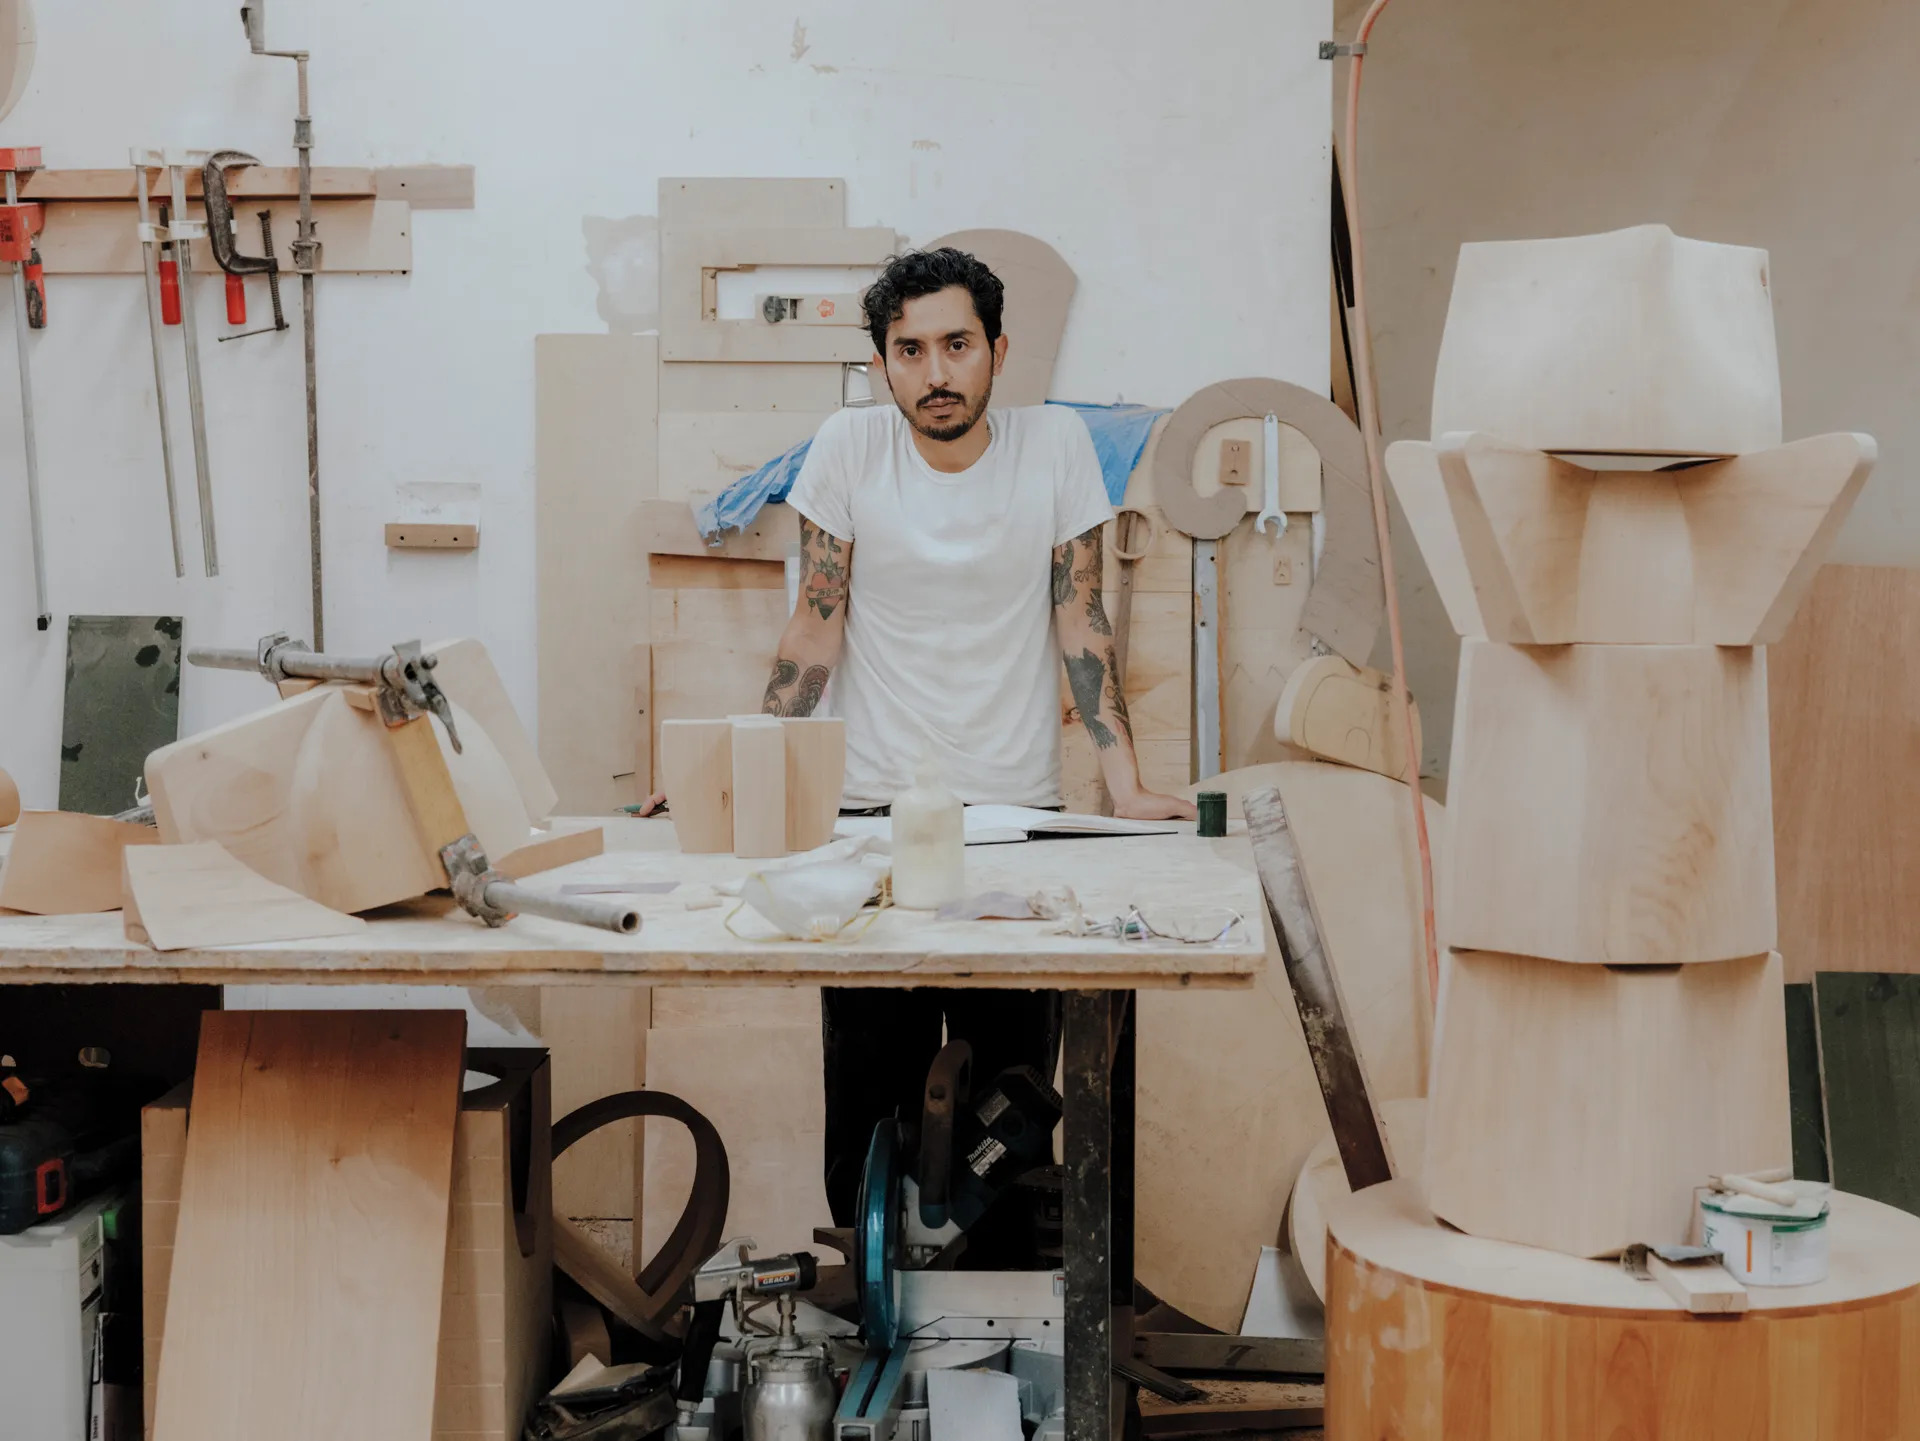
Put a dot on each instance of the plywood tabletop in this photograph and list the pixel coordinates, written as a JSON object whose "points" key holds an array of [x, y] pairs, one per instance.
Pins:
{"points": [[430, 942]]}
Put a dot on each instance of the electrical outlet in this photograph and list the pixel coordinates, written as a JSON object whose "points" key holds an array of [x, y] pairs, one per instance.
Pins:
{"points": [[1236, 462]]}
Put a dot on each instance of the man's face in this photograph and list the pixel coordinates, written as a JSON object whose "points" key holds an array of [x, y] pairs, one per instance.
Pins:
{"points": [[938, 363]]}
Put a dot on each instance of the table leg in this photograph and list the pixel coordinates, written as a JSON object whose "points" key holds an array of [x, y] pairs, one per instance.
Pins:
{"points": [[1087, 1220]]}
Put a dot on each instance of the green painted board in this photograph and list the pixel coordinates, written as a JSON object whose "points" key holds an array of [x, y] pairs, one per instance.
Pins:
{"points": [[123, 703], [1803, 1086], [1869, 1029]]}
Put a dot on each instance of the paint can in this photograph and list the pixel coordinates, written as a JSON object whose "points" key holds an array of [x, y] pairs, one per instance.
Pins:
{"points": [[1213, 812], [1765, 1244]]}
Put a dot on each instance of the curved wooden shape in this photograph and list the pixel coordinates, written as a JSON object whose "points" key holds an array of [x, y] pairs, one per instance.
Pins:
{"points": [[9, 800], [1345, 604], [1434, 1336], [1040, 286], [1345, 712]]}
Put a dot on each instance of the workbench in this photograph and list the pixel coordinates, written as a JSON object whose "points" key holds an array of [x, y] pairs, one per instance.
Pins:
{"points": [[429, 942]]}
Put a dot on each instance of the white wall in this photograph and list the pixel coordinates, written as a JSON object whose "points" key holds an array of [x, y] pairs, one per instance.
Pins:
{"points": [[1178, 160]]}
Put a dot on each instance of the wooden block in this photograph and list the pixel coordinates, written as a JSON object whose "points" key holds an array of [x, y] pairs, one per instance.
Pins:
{"points": [[562, 848], [1715, 554], [1703, 1288], [1846, 796], [63, 863], [1346, 713], [463, 669], [594, 458], [760, 1086], [426, 187], [1610, 803], [688, 330], [368, 237], [670, 531], [759, 786], [312, 1289], [1577, 1107], [1228, 1104], [1636, 340], [1869, 1029], [1414, 468], [704, 452], [816, 775], [696, 772], [1039, 289], [597, 1038], [184, 897], [411, 535], [252, 182], [1236, 462], [314, 765], [427, 783]]}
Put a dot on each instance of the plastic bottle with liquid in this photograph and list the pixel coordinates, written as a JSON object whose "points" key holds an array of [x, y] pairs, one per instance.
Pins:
{"points": [[929, 843]]}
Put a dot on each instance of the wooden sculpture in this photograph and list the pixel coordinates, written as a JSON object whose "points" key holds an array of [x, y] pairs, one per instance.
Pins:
{"points": [[1611, 1024]]}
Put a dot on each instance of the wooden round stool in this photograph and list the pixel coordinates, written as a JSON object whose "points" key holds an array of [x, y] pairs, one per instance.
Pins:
{"points": [[1433, 1335]]}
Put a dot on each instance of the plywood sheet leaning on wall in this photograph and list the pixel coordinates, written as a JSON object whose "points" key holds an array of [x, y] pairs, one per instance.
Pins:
{"points": [[1844, 701], [1610, 803], [595, 417], [1228, 1104], [1039, 289], [1577, 1107], [311, 1291], [760, 1086]]}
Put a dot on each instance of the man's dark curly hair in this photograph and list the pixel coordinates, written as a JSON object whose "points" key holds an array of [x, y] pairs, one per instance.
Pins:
{"points": [[922, 272]]}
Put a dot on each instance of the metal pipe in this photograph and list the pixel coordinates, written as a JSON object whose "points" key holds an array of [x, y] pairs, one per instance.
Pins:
{"points": [[43, 614], [183, 253], [150, 262], [224, 658], [306, 257], [597, 911]]}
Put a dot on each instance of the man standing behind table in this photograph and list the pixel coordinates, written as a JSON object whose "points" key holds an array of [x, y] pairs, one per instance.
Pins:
{"points": [[979, 533]]}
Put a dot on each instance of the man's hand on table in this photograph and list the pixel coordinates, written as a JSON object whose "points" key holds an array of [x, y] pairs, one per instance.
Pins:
{"points": [[1145, 805]]}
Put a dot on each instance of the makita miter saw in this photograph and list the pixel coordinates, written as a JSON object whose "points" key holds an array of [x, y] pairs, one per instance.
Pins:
{"points": [[972, 1175]]}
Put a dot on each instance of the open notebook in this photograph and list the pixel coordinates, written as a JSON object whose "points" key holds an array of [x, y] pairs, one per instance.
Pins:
{"points": [[997, 825]]}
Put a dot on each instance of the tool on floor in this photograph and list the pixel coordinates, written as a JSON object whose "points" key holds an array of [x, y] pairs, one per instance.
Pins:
{"points": [[1270, 505], [788, 1389], [18, 225], [306, 260], [1132, 539], [226, 251], [163, 309], [401, 693], [180, 234]]}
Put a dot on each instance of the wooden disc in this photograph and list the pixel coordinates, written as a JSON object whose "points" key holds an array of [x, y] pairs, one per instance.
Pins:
{"points": [[9, 800], [1433, 1334], [1323, 1184]]}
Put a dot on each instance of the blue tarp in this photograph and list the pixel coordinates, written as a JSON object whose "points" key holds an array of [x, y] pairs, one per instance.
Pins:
{"points": [[1119, 435]]}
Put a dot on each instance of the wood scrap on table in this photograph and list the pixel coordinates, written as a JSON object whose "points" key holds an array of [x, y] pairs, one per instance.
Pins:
{"points": [[62, 863], [180, 897], [545, 853], [314, 1288]]}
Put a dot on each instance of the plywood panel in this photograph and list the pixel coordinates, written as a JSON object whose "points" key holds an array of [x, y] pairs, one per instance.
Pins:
{"points": [[704, 452], [737, 201], [714, 386], [1577, 1107], [769, 536], [685, 253], [1228, 1104], [1610, 803], [597, 1038], [761, 1087], [310, 1255], [1845, 709], [594, 458]]}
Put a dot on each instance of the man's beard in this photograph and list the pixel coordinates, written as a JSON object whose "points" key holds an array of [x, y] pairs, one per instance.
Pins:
{"points": [[953, 429]]}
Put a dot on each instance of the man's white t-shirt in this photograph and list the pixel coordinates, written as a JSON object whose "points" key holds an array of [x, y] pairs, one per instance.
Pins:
{"points": [[950, 649]]}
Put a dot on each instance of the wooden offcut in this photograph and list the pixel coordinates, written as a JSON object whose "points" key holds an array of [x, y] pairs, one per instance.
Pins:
{"points": [[416, 535], [816, 775], [759, 786], [696, 773], [62, 863], [310, 1257], [1610, 804], [180, 897], [1346, 713], [1577, 1107]]}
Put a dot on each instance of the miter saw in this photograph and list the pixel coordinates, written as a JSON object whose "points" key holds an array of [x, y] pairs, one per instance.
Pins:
{"points": [[925, 1187]]}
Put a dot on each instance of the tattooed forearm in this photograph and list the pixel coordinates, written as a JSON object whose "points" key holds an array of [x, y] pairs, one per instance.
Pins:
{"points": [[1086, 678], [826, 567], [1116, 701], [785, 673], [793, 692], [1063, 573]]}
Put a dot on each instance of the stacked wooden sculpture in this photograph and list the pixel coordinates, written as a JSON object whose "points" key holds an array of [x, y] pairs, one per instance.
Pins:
{"points": [[1611, 1024]]}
